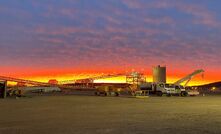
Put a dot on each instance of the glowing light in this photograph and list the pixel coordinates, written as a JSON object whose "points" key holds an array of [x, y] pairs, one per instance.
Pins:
{"points": [[213, 88]]}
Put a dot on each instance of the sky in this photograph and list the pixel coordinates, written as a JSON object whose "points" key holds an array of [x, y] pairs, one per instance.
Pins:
{"points": [[42, 39]]}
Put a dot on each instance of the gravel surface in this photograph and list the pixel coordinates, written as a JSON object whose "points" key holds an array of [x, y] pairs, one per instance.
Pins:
{"points": [[110, 115]]}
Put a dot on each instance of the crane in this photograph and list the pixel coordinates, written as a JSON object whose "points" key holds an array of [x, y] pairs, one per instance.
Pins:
{"points": [[189, 77]]}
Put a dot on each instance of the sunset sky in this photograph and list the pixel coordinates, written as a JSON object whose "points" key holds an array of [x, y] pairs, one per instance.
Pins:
{"points": [[43, 39]]}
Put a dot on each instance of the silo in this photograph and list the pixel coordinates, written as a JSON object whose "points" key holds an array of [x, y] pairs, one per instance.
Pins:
{"points": [[159, 74]]}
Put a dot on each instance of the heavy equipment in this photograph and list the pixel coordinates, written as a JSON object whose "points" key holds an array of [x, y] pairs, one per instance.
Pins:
{"points": [[170, 89], [133, 80], [19, 91], [163, 88], [54, 85], [89, 80], [188, 77], [108, 90]]}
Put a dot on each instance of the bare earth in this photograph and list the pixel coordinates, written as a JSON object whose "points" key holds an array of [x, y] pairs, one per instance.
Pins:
{"points": [[110, 115]]}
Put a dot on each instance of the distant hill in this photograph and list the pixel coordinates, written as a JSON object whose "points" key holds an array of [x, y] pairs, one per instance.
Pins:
{"points": [[215, 84], [212, 88]]}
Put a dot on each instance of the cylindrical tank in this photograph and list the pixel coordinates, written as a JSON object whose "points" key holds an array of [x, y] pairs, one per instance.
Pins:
{"points": [[159, 74]]}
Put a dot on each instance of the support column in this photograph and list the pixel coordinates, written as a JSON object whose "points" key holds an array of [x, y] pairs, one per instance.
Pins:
{"points": [[3, 89]]}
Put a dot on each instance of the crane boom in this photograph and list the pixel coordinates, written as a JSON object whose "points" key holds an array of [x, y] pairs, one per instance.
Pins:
{"points": [[189, 77]]}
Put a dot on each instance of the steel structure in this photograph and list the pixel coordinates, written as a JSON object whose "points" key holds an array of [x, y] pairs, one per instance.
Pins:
{"points": [[25, 81], [135, 78], [159, 74], [61, 83], [131, 78], [189, 77], [3, 89], [91, 79]]}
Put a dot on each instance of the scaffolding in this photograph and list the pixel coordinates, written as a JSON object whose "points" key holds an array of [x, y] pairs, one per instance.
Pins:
{"points": [[135, 78]]}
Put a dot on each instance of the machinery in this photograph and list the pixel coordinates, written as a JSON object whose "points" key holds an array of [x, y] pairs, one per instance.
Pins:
{"points": [[188, 77], [90, 80], [54, 85], [164, 88], [170, 89], [19, 92], [139, 87], [135, 81], [25, 81], [107, 91]]}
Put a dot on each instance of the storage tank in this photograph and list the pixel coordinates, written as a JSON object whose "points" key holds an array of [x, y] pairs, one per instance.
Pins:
{"points": [[159, 74]]}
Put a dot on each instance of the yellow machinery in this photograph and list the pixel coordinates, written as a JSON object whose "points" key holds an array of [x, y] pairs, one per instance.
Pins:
{"points": [[107, 91]]}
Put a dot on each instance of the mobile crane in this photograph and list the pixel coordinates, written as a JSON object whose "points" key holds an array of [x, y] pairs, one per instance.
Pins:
{"points": [[170, 89]]}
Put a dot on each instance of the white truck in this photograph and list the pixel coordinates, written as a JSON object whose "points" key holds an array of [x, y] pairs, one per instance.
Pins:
{"points": [[171, 89], [163, 88]]}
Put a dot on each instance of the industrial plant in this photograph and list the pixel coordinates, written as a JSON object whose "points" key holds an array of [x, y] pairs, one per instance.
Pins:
{"points": [[135, 85]]}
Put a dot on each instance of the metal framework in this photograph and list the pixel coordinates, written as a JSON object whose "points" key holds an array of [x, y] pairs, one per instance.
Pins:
{"points": [[91, 79], [84, 81], [135, 78], [189, 77], [25, 81]]}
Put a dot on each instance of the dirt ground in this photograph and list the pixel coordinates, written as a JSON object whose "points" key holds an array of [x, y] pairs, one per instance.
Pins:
{"points": [[110, 115]]}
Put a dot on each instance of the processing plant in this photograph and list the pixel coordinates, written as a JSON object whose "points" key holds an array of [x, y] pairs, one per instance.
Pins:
{"points": [[135, 83]]}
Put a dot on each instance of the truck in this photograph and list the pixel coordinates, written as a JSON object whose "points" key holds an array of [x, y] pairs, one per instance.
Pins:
{"points": [[171, 89], [164, 89]]}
